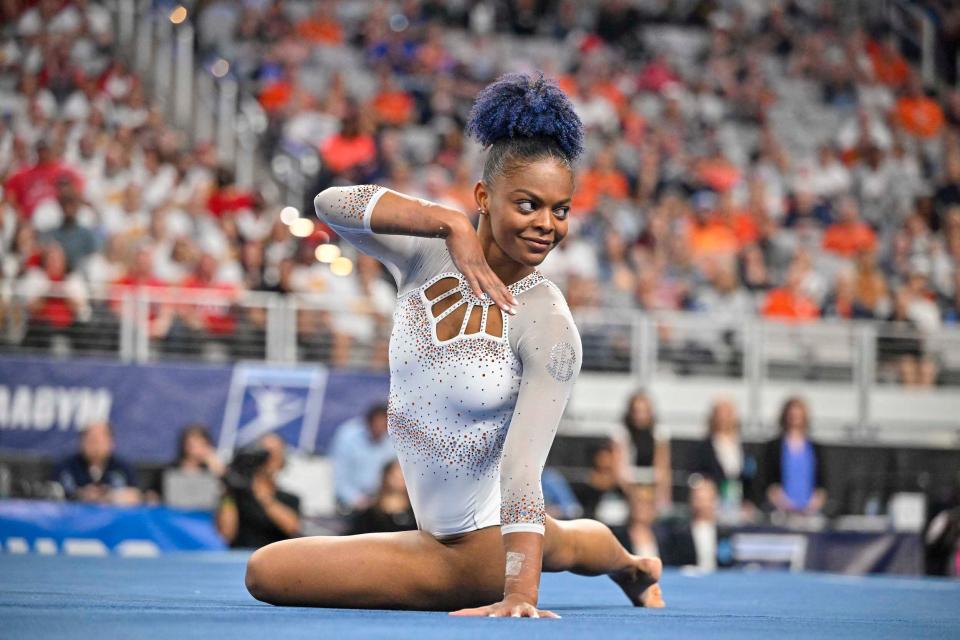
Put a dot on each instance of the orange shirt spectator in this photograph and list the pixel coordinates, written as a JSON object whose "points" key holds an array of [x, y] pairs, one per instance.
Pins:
{"points": [[276, 95], [597, 183], [787, 303], [849, 238], [889, 66], [393, 107], [342, 152], [320, 29], [920, 115], [718, 173], [713, 238], [745, 228]]}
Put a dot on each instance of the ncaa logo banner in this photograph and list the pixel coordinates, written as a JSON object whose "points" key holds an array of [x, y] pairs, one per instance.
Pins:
{"points": [[265, 399]]}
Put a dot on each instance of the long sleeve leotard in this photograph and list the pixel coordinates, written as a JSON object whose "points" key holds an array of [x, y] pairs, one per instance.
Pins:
{"points": [[472, 416]]}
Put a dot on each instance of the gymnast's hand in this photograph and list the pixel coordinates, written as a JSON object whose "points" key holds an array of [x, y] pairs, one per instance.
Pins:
{"points": [[467, 253], [512, 606]]}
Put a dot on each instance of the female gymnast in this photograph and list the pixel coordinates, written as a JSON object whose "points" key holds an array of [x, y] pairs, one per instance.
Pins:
{"points": [[480, 373]]}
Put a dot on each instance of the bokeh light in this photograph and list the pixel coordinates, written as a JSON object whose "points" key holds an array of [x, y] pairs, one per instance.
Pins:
{"points": [[327, 252], [288, 215], [179, 14], [342, 266], [301, 227]]}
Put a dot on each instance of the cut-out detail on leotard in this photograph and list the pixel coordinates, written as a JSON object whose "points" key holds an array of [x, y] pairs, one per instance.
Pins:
{"points": [[456, 311]]}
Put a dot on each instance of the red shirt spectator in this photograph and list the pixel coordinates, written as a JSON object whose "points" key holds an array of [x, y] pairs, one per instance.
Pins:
{"points": [[215, 318], [31, 185], [889, 66]]}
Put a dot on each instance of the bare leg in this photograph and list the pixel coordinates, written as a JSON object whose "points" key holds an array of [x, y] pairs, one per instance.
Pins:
{"points": [[406, 570], [589, 548]]}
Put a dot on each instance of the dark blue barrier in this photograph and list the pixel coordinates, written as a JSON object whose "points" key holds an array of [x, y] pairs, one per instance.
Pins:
{"points": [[45, 402], [56, 527]]}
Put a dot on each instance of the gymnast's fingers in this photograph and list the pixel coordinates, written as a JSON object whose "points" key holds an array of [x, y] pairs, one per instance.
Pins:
{"points": [[475, 611], [498, 292]]}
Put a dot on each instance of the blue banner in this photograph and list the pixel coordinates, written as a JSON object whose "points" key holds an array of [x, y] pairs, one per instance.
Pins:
{"points": [[44, 403], [29, 526]]}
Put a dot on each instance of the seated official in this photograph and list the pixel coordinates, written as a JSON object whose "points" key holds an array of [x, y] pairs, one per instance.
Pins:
{"points": [[601, 495], [699, 542], [255, 511], [193, 480], [642, 535], [95, 474], [360, 450], [391, 510]]}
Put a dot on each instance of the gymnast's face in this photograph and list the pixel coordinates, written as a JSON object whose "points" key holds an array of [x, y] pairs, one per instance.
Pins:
{"points": [[528, 206]]}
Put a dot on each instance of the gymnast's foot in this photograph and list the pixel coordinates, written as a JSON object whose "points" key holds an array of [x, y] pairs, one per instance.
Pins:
{"points": [[640, 582]]}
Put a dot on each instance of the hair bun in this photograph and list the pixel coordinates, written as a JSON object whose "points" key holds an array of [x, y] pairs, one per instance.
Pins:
{"points": [[520, 106]]}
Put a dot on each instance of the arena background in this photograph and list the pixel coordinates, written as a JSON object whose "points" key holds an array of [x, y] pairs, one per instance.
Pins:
{"points": [[769, 207]]}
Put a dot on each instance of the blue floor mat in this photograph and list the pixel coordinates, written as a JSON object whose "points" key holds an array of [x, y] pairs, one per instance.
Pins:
{"points": [[202, 596]]}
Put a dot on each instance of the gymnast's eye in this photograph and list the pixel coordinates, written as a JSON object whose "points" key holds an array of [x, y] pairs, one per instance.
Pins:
{"points": [[561, 212], [526, 206]]}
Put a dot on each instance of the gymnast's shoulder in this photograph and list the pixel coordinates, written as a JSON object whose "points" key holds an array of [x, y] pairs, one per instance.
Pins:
{"points": [[544, 310]]}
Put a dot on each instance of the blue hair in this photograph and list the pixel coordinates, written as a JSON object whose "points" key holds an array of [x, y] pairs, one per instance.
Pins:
{"points": [[521, 117]]}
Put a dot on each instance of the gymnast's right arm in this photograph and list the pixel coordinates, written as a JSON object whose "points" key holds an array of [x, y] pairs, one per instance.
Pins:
{"points": [[386, 225]]}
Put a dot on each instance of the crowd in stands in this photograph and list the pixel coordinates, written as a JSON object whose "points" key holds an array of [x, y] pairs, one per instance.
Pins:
{"points": [[743, 158]]}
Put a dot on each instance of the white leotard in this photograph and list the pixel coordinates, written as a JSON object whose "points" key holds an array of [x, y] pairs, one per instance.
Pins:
{"points": [[472, 418]]}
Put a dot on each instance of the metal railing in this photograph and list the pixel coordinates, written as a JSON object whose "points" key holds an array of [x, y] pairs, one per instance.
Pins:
{"points": [[143, 324]]}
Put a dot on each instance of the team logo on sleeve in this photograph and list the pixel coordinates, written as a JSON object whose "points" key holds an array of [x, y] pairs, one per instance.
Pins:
{"points": [[563, 358]]}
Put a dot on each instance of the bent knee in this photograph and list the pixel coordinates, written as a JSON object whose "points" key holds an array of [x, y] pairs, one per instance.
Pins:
{"points": [[257, 579]]}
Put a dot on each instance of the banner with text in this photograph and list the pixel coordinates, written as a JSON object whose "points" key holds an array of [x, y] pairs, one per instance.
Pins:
{"points": [[44, 403]]}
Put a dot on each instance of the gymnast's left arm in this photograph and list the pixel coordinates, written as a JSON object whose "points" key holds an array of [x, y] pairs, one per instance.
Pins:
{"points": [[550, 352]]}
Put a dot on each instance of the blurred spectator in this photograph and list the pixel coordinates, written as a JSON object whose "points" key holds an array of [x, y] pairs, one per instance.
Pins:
{"points": [[72, 234], [728, 305], [255, 511], [95, 474], [920, 115], [901, 343], [601, 494], [349, 150], [57, 301], [647, 449], [390, 509], [849, 235], [790, 302], [360, 450], [641, 535], [701, 542], [209, 313], [793, 466], [722, 460], [193, 480], [942, 538], [31, 185], [558, 497]]}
